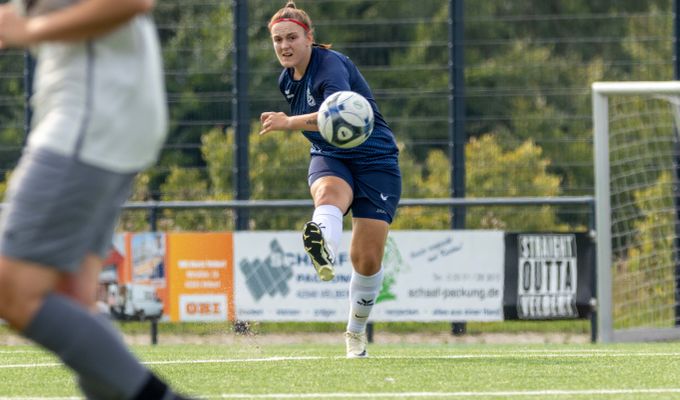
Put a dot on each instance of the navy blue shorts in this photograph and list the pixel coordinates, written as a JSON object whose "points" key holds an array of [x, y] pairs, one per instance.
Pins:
{"points": [[376, 189]]}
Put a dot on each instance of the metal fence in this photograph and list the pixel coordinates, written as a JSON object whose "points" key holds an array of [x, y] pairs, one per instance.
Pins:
{"points": [[527, 69]]}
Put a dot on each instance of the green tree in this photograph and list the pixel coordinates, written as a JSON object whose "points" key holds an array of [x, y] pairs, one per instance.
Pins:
{"points": [[12, 92], [189, 184], [278, 170], [197, 52], [529, 66], [137, 220], [644, 277], [522, 171]]}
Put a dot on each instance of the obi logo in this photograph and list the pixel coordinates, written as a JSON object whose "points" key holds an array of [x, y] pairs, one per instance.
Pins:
{"points": [[203, 308]]}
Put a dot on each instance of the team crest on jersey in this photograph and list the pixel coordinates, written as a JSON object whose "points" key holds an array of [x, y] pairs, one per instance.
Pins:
{"points": [[310, 99]]}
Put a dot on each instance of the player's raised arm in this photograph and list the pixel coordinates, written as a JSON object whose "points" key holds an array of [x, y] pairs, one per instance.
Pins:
{"points": [[83, 20], [279, 121]]}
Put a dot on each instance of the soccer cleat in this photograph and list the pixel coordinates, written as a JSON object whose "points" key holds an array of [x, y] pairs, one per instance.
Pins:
{"points": [[315, 247], [356, 345]]}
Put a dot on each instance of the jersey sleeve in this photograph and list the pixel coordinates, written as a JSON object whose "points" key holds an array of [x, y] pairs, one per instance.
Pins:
{"points": [[333, 76], [282, 80]]}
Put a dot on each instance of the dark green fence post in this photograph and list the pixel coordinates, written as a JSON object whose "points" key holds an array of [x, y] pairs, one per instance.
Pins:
{"points": [[241, 119], [29, 68], [676, 156], [457, 137]]}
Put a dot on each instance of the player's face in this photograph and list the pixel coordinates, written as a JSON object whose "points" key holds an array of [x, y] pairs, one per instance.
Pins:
{"points": [[293, 46]]}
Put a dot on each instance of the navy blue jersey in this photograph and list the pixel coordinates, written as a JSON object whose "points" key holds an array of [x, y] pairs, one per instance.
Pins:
{"points": [[328, 72]]}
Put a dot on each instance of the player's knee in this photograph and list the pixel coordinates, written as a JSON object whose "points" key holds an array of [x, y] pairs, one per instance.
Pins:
{"points": [[4, 298], [10, 298], [325, 195], [329, 193], [19, 292], [366, 264], [82, 293]]}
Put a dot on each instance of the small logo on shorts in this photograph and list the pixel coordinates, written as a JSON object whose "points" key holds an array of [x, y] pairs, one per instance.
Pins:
{"points": [[380, 211], [383, 197]]}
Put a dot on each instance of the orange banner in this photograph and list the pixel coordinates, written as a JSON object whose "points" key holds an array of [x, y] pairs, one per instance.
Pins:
{"points": [[200, 276]]}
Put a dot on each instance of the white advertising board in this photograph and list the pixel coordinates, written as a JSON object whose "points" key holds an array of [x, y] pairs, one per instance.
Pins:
{"points": [[429, 276]]}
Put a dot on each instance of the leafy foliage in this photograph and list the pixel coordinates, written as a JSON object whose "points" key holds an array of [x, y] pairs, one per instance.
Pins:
{"points": [[645, 276], [528, 70], [504, 173]]}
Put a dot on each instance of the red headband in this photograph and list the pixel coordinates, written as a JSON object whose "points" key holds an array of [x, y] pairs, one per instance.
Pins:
{"points": [[302, 24]]}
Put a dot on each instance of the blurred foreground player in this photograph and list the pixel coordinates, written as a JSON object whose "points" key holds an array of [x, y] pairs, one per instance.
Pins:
{"points": [[99, 118]]}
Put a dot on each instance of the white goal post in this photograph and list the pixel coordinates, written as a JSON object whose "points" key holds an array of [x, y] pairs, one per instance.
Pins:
{"points": [[636, 196]]}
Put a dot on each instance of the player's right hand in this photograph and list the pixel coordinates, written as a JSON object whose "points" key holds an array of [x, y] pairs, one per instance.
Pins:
{"points": [[273, 121]]}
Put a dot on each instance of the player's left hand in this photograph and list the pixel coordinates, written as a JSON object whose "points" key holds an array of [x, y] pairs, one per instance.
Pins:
{"points": [[13, 27], [274, 121]]}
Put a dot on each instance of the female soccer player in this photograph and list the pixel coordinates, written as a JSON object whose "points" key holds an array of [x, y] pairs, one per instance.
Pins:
{"points": [[99, 117], [365, 179]]}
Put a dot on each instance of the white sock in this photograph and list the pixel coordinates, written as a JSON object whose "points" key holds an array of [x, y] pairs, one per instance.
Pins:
{"points": [[329, 219], [363, 290]]}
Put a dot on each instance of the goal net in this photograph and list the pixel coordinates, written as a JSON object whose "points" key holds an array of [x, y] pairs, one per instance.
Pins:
{"points": [[636, 154]]}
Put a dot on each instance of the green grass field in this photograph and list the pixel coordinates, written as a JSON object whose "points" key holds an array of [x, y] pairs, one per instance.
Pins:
{"points": [[257, 369]]}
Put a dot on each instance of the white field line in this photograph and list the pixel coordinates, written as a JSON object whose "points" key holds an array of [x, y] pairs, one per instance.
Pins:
{"points": [[491, 352], [234, 360], [500, 394], [36, 365], [503, 394], [173, 362], [20, 351], [530, 355], [537, 355], [41, 398]]}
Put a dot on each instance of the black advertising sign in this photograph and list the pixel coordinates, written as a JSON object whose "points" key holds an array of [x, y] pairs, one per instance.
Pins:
{"points": [[548, 276]]}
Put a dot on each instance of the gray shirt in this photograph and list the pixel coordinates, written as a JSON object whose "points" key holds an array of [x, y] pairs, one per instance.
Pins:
{"points": [[103, 100]]}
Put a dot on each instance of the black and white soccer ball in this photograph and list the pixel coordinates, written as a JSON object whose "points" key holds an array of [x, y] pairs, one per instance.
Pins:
{"points": [[345, 119]]}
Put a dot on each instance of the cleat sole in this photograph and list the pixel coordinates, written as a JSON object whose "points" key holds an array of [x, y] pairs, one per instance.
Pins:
{"points": [[315, 249], [325, 273]]}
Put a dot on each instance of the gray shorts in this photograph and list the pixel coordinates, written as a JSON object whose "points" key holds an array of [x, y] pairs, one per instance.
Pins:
{"points": [[58, 209]]}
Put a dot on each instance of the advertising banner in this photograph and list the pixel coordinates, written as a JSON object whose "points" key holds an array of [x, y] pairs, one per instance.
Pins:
{"points": [[200, 267], [274, 280], [442, 276], [147, 255], [548, 275], [115, 266], [429, 276]]}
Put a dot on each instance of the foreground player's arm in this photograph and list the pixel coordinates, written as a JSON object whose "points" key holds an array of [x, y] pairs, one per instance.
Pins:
{"points": [[278, 121], [81, 21]]}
